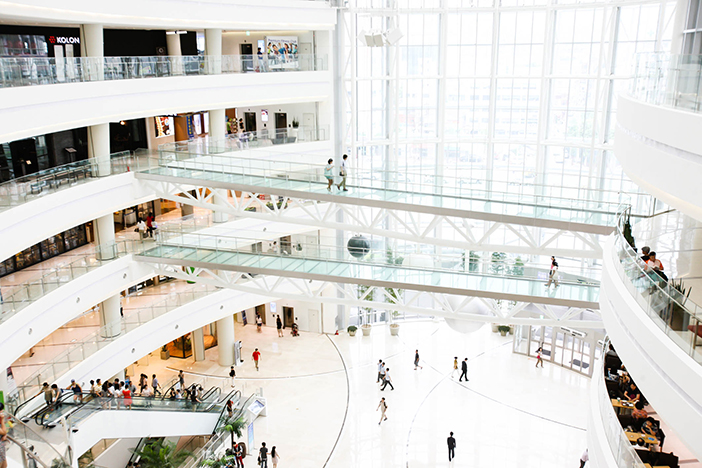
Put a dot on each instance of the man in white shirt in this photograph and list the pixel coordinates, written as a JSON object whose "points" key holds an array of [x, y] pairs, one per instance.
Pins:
{"points": [[387, 381], [343, 173]]}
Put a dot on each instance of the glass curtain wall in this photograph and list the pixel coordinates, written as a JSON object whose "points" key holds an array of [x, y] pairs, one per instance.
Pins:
{"points": [[507, 95]]}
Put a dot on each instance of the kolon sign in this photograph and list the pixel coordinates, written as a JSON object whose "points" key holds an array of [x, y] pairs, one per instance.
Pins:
{"points": [[64, 40]]}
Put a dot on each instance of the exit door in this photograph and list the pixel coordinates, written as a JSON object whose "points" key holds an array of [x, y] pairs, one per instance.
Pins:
{"points": [[261, 310], [250, 121], [246, 57], [288, 316]]}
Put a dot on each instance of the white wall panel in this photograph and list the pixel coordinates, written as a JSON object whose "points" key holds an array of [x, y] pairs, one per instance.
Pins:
{"points": [[181, 14], [36, 110], [659, 148]]}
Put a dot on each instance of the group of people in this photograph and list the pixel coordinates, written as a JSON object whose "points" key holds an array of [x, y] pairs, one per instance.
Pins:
{"points": [[652, 265], [343, 173], [146, 228]]}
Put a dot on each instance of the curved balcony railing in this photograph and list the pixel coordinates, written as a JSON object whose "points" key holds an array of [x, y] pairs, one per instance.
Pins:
{"points": [[669, 308], [21, 190], [25, 294], [31, 71], [620, 446], [78, 352], [669, 80]]}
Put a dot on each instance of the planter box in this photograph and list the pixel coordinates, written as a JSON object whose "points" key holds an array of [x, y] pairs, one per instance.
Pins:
{"points": [[165, 355], [352, 333], [366, 330], [394, 330]]}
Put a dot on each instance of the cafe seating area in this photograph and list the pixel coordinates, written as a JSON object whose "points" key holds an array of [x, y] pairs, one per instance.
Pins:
{"points": [[633, 411]]}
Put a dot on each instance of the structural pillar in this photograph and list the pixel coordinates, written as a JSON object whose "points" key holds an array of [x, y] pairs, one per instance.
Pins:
{"points": [[220, 199], [110, 317], [225, 340], [92, 44], [174, 53], [213, 50], [104, 228], [218, 131], [197, 338]]}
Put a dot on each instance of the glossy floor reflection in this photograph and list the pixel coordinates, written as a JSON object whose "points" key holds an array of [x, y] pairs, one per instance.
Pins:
{"points": [[509, 414]]}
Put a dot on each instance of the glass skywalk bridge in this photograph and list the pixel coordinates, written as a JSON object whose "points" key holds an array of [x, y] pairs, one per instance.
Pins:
{"points": [[333, 264], [450, 196]]}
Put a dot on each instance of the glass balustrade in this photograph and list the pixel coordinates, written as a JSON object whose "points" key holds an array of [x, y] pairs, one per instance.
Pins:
{"points": [[668, 80], [78, 352], [417, 189], [665, 302], [45, 453], [23, 189], [622, 450], [31, 71], [316, 259], [25, 294]]}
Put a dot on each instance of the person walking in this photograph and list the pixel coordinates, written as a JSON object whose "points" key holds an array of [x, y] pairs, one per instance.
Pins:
{"points": [[155, 385], [232, 375], [464, 370], [451, 446], [455, 367], [584, 458], [275, 456], [329, 174], [256, 356], [279, 326], [387, 381], [259, 323], [343, 173], [381, 371], [383, 407], [539, 351], [239, 456], [263, 455], [416, 360], [553, 274]]}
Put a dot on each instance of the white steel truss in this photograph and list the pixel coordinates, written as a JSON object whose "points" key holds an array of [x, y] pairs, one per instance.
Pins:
{"points": [[408, 302], [433, 229]]}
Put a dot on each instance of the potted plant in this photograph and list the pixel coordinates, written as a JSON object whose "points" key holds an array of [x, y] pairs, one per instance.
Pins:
{"points": [[161, 455], [165, 354], [352, 330], [233, 426], [366, 329], [503, 329], [294, 131], [395, 327]]}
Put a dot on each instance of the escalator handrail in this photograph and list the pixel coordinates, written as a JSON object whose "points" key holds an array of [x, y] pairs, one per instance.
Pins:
{"points": [[18, 423], [45, 410], [171, 383], [27, 451], [221, 419]]}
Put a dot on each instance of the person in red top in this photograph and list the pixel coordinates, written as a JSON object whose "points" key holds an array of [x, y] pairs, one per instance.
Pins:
{"points": [[127, 395], [256, 357], [150, 225]]}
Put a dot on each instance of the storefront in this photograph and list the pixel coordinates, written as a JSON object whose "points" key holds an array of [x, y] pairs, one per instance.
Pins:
{"points": [[33, 41], [46, 249]]}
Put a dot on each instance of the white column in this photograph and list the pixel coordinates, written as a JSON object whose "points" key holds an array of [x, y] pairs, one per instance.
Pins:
{"points": [[213, 50], [92, 45], [197, 337], [110, 318], [104, 228], [220, 198], [174, 53], [225, 340], [99, 147]]}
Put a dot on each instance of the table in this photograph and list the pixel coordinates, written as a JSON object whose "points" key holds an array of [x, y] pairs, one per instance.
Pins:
{"points": [[634, 436], [622, 407]]}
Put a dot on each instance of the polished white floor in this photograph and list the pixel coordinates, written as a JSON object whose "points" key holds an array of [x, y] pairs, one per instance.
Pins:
{"points": [[322, 399]]}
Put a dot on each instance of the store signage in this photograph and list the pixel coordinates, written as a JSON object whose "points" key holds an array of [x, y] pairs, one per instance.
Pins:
{"points": [[572, 332], [64, 40]]}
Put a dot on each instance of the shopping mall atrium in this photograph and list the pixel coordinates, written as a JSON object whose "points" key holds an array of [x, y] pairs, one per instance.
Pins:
{"points": [[351, 233]]}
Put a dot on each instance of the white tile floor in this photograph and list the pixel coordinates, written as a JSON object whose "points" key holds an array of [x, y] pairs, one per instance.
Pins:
{"points": [[509, 414]]}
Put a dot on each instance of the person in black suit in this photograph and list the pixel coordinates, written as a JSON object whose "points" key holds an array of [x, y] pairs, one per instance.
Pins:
{"points": [[451, 446], [464, 370]]}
